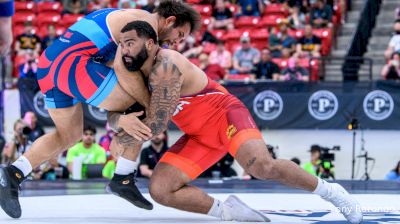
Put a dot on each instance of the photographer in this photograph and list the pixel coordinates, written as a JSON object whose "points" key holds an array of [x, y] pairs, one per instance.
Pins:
{"points": [[19, 144], [321, 162], [313, 166], [29, 68], [392, 70]]}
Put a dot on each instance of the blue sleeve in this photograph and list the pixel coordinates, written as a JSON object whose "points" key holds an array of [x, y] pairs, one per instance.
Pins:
{"points": [[7, 8], [391, 176]]}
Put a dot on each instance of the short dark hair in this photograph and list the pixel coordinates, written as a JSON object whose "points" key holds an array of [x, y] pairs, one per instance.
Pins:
{"points": [[90, 128], [142, 28], [183, 12]]}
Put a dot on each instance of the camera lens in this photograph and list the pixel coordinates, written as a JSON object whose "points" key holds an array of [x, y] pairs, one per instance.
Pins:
{"points": [[26, 131]]}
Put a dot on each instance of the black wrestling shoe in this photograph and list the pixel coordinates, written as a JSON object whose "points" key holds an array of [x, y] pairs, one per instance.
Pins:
{"points": [[10, 179], [124, 186]]}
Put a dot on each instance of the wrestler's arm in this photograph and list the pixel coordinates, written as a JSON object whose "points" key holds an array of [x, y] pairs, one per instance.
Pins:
{"points": [[6, 11], [165, 82]]}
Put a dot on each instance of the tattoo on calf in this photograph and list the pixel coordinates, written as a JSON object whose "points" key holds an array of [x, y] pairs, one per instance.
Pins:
{"points": [[250, 162], [127, 141]]}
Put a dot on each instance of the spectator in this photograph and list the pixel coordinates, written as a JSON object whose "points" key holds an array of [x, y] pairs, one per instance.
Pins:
{"points": [[221, 56], [100, 4], [51, 36], [19, 144], [321, 14], [150, 6], [150, 156], [223, 168], [294, 72], [313, 166], [86, 151], [245, 58], [394, 43], [281, 44], [126, 4], [28, 69], [251, 7], [309, 45], [36, 130], [105, 140], [75, 6], [267, 69], [28, 41], [213, 71], [222, 17], [391, 70], [189, 48], [51, 170], [394, 174], [297, 19]]}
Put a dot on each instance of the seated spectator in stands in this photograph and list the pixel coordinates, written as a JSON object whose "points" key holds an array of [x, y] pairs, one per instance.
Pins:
{"points": [[105, 140], [36, 130], [19, 144], [267, 69], [394, 174], [321, 14], [392, 69], [281, 44], [223, 168], [221, 56], [100, 4], [189, 48], [150, 6], [28, 41], [297, 19], [50, 37], [394, 43], [222, 17], [51, 170], [251, 7], [75, 6], [150, 156], [309, 45], [126, 4], [294, 72], [213, 71], [245, 58], [29, 68], [86, 151]]}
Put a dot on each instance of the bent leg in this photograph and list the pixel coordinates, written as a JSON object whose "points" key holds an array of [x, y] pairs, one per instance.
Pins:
{"points": [[169, 187], [254, 157], [69, 127]]}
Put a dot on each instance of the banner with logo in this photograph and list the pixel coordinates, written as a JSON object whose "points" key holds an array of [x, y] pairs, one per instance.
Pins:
{"points": [[328, 105], [290, 105]]}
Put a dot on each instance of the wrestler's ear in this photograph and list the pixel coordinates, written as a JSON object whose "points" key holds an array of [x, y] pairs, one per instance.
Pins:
{"points": [[170, 21], [149, 44]]}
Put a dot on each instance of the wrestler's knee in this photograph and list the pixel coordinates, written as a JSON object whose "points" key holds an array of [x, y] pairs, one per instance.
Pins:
{"points": [[263, 169], [158, 190]]}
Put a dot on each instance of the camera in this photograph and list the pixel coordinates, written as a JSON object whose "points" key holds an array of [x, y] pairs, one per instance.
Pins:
{"points": [[26, 131], [326, 155]]}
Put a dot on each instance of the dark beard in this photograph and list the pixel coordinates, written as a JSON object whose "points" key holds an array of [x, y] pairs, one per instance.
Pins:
{"points": [[137, 61]]}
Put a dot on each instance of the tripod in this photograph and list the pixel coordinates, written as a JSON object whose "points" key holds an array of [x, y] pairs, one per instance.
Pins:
{"points": [[365, 176]]}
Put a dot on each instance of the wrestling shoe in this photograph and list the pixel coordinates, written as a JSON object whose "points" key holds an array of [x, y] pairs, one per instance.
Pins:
{"points": [[233, 209], [347, 204], [10, 179], [124, 186]]}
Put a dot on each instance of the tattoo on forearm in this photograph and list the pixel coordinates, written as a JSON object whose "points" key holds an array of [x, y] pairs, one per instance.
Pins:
{"points": [[250, 162], [165, 82], [127, 141]]}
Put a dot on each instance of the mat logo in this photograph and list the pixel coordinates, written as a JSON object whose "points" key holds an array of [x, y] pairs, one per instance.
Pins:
{"points": [[378, 105], [323, 105], [39, 105], [268, 105]]}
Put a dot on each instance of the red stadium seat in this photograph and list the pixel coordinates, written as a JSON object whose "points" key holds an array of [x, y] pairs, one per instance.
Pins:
{"points": [[193, 1], [204, 10], [24, 7], [69, 19], [276, 9], [205, 21], [45, 19], [282, 63], [233, 8], [20, 18], [259, 39], [195, 61], [43, 31], [247, 22], [326, 39], [219, 34], [209, 47], [54, 7], [17, 30], [270, 20], [297, 34]]}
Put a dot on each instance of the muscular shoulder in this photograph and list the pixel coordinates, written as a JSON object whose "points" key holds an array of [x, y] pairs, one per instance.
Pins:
{"points": [[167, 64]]}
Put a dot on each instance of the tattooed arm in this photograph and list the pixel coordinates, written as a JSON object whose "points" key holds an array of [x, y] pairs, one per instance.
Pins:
{"points": [[165, 81]]}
